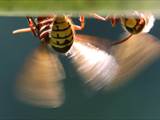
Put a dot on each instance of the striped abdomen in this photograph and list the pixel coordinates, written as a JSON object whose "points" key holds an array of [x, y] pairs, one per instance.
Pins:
{"points": [[62, 34]]}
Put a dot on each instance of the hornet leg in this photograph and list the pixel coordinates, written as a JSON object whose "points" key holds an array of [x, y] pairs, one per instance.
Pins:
{"points": [[111, 18], [82, 21]]}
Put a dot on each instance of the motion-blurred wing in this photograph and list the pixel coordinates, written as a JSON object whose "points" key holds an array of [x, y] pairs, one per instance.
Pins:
{"points": [[104, 66], [149, 22], [93, 61], [134, 54], [40, 81]]}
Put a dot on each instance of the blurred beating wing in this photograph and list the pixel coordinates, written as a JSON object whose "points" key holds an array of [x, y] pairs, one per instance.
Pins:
{"points": [[135, 54], [104, 66], [40, 81], [96, 65]]}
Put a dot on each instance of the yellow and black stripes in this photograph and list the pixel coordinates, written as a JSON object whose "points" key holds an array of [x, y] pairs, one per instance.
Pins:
{"points": [[62, 34]]}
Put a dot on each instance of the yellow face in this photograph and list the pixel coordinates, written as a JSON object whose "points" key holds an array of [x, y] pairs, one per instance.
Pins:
{"points": [[131, 22], [133, 25]]}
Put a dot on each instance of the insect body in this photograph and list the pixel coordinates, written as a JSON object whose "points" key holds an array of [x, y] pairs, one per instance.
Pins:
{"points": [[62, 34], [100, 63], [138, 22], [39, 82], [134, 24], [57, 31]]}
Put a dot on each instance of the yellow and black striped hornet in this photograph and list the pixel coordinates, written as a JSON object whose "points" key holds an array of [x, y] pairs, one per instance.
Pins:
{"points": [[102, 64], [133, 23], [43, 68], [56, 31]]}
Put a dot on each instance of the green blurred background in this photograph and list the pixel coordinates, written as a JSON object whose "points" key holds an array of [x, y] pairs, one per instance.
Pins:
{"points": [[39, 7], [138, 99]]}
